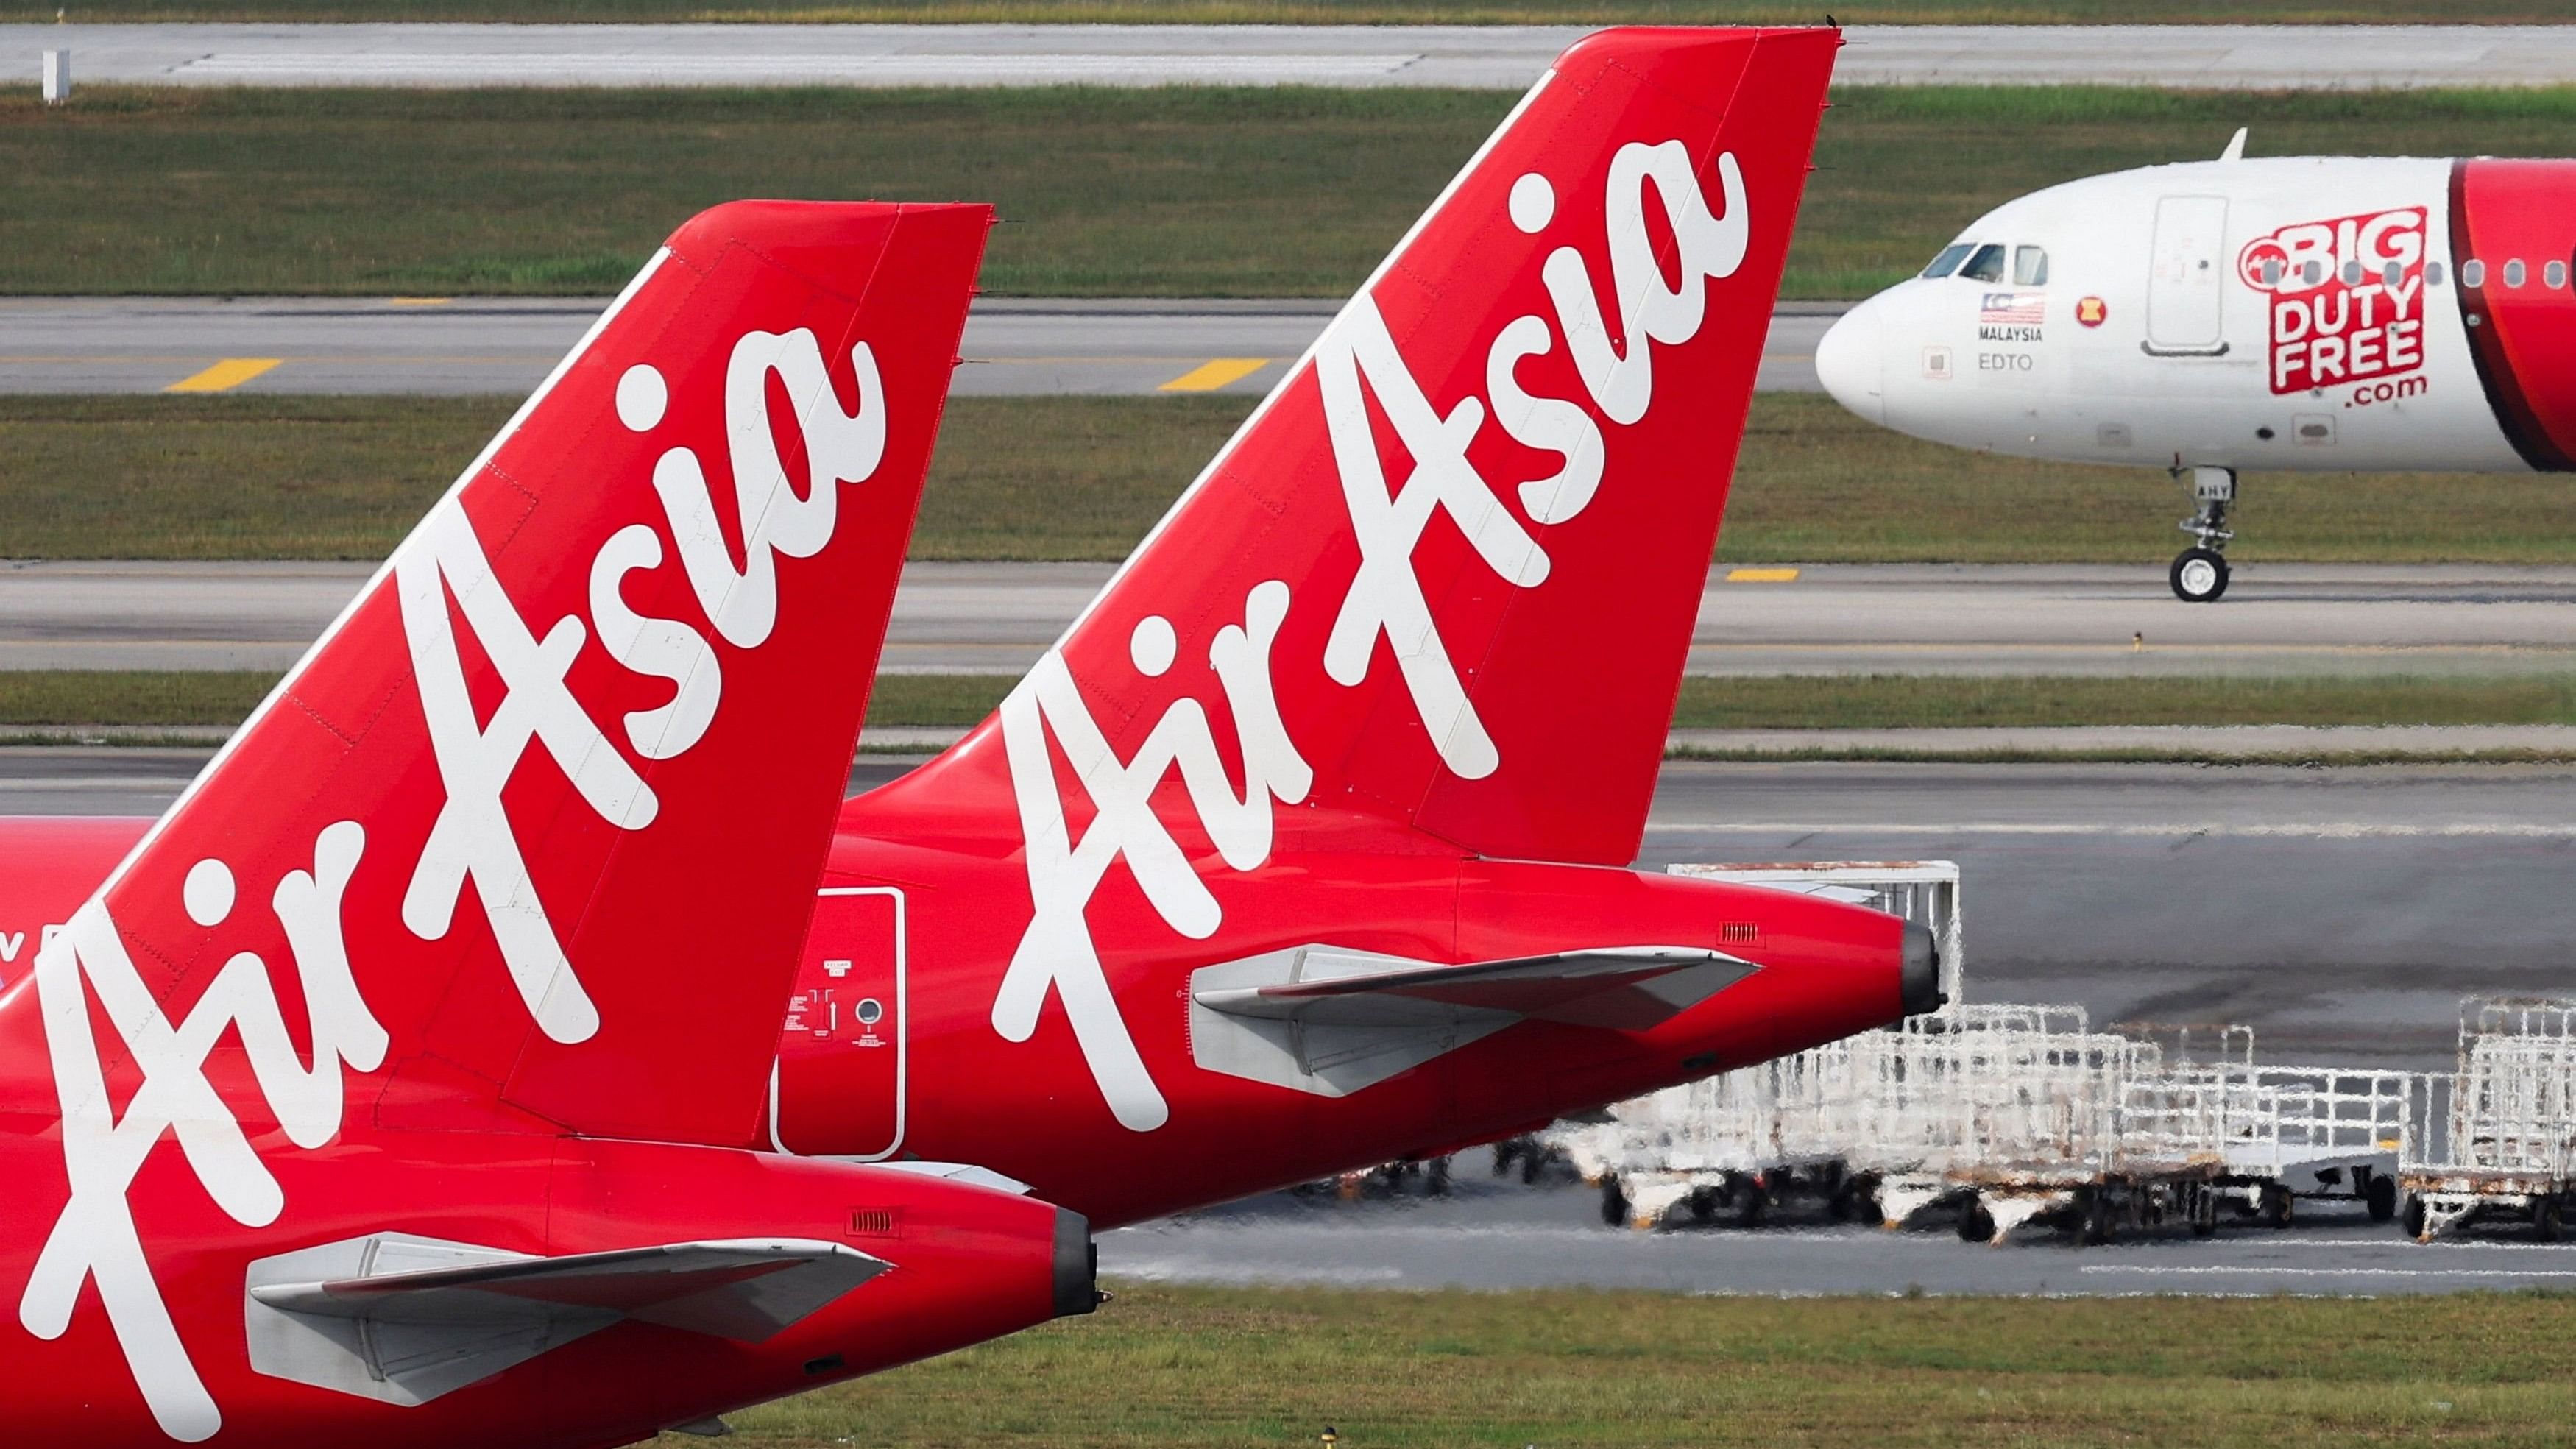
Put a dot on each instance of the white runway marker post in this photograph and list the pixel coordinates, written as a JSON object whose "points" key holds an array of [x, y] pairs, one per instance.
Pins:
{"points": [[58, 77]]}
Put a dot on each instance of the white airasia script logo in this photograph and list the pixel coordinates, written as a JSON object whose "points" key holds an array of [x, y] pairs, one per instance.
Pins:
{"points": [[1056, 951], [1357, 358], [95, 1238], [1386, 597]]}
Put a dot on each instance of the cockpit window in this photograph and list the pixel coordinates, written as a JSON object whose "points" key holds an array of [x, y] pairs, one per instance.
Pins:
{"points": [[2030, 266], [1948, 262], [1987, 265]]}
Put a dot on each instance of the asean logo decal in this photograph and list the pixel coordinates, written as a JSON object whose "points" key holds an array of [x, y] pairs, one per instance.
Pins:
{"points": [[2092, 311]]}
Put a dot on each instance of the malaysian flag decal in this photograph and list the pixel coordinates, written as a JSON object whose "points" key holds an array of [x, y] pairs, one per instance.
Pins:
{"points": [[2007, 308]]}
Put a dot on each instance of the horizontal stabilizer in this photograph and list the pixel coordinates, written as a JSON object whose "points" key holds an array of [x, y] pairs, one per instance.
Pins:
{"points": [[747, 1290], [1621, 988], [408, 1319]]}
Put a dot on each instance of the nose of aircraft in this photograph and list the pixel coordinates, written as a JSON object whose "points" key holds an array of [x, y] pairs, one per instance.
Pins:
{"points": [[1848, 360]]}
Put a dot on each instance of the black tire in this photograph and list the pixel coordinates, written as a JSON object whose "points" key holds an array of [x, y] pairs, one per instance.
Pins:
{"points": [[2277, 1209], [1976, 1225], [2381, 1193], [1614, 1203], [1533, 1162], [2414, 1215], [2545, 1222], [1435, 1178], [2198, 575], [2101, 1219]]}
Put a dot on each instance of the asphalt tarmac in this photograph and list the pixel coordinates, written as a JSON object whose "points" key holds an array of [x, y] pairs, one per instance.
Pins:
{"points": [[2340, 912], [1830, 619], [1014, 347], [1495, 57], [1491, 1233]]}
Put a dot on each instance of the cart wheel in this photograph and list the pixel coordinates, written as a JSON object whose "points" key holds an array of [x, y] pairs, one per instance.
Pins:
{"points": [[2544, 1220], [2276, 1206], [2382, 1194], [1752, 1203], [2414, 1215], [1614, 1203], [2101, 1219], [1976, 1225]]}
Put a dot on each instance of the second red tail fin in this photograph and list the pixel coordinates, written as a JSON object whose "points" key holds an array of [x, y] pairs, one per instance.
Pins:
{"points": [[1448, 572]]}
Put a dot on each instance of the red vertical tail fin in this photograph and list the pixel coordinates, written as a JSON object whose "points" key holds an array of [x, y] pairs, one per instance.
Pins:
{"points": [[1448, 571], [536, 825]]}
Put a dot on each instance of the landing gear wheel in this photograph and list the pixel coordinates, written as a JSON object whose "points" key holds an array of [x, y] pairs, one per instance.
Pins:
{"points": [[2199, 575]]}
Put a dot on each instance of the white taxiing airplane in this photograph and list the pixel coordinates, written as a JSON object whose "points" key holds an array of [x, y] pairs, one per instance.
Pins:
{"points": [[2311, 313]]}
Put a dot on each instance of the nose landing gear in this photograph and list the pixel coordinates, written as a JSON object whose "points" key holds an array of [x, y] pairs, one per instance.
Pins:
{"points": [[2199, 573]]}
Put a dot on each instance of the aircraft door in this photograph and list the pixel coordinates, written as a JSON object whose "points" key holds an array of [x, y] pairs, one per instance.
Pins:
{"points": [[2185, 277], [850, 1006]]}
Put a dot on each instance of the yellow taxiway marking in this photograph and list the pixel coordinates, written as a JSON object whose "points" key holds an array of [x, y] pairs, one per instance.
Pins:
{"points": [[1761, 576], [418, 301], [226, 375], [1211, 375]]}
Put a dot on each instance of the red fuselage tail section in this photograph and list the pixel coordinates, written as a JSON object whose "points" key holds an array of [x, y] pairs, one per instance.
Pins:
{"points": [[1303, 849], [515, 863]]}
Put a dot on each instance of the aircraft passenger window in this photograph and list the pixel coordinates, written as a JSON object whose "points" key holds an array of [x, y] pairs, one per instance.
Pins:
{"points": [[2513, 272], [1987, 265], [2393, 275], [2554, 275], [2313, 273], [2352, 274], [1948, 262], [2271, 271], [2473, 273], [2030, 266], [2432, 274]]}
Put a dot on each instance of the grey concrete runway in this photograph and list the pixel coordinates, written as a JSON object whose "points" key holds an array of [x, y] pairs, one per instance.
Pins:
{"points": [[1500, 1234], [2340, 912], [2250, 57], [997, 618], [1013, 346]]}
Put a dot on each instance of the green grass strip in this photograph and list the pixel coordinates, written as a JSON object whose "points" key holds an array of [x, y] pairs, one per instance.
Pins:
{"points": [[173, 697], [1200, 1368], [1171, 191], [130, 696], [1082, 478]]}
